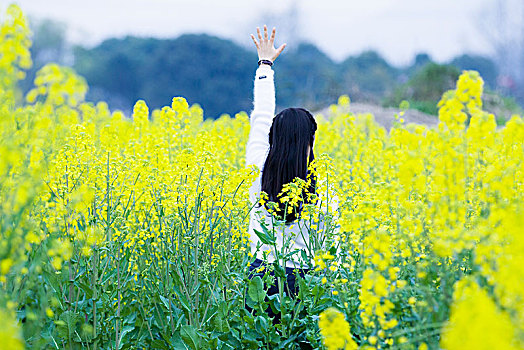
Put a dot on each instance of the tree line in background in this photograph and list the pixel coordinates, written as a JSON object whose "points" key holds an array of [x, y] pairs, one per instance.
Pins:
{"points": [[217, 74]]}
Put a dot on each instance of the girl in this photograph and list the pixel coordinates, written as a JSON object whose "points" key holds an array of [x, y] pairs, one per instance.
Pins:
{"points": [[282, 147]]}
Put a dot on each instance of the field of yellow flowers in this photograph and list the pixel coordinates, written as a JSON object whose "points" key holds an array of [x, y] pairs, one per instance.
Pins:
{"points": [[121, 233]]}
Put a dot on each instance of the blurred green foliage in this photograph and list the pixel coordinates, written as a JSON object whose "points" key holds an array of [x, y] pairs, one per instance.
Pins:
{"points": [[427, 84], [217, 74], [424, 89]]}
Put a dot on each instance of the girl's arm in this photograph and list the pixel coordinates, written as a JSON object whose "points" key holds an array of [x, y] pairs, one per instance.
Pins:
{"points": [[263, 100], [261, 116]]}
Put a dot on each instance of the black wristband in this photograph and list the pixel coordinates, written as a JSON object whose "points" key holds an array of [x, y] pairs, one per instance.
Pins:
{"points": [[266, 62]]}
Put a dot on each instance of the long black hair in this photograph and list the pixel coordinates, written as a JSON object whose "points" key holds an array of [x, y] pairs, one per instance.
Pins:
{"points": [[290, 135]]}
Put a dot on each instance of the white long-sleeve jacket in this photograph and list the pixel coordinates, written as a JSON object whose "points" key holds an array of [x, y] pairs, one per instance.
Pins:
{"points": [[256, 152]]}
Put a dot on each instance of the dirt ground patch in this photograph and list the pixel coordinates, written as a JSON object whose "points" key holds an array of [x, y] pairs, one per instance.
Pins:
{"points": [[386, 116]]}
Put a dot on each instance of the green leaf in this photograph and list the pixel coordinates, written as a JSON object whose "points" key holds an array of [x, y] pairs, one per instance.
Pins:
{"points": [[86, 288], [302, 288], [165, 301], [177, 343], [69, 325], [274, 303], [125, 330], [159, 344], [220, 318], [184, 302], [251, 336], [256, 290], [220, 323], [159, 317], [279, 270], [130, 319], [190, 336], [304, 255], [52, 280], [266, 237], [233, 339], [181, 297], [288, 341], [261, 324], [289, 255]]}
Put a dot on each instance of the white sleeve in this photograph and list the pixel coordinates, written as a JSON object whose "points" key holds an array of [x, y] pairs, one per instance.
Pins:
{"points": [[261, 116], [260, 122]]}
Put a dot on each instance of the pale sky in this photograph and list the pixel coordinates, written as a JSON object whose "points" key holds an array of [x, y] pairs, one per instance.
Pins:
{"points": [[398, 29]]}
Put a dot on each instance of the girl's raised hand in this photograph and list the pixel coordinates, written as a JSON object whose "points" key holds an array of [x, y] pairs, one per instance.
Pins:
{"points": [[265, 48]]}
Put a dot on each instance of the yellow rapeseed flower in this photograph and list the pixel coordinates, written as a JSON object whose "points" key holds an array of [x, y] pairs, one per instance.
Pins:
{"points": [[335, 330]]}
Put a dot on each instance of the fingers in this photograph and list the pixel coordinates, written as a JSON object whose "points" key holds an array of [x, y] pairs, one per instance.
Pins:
{"points": [[259, 35], [279, 51], [255, 41], [272, 40], [265, 32]]}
